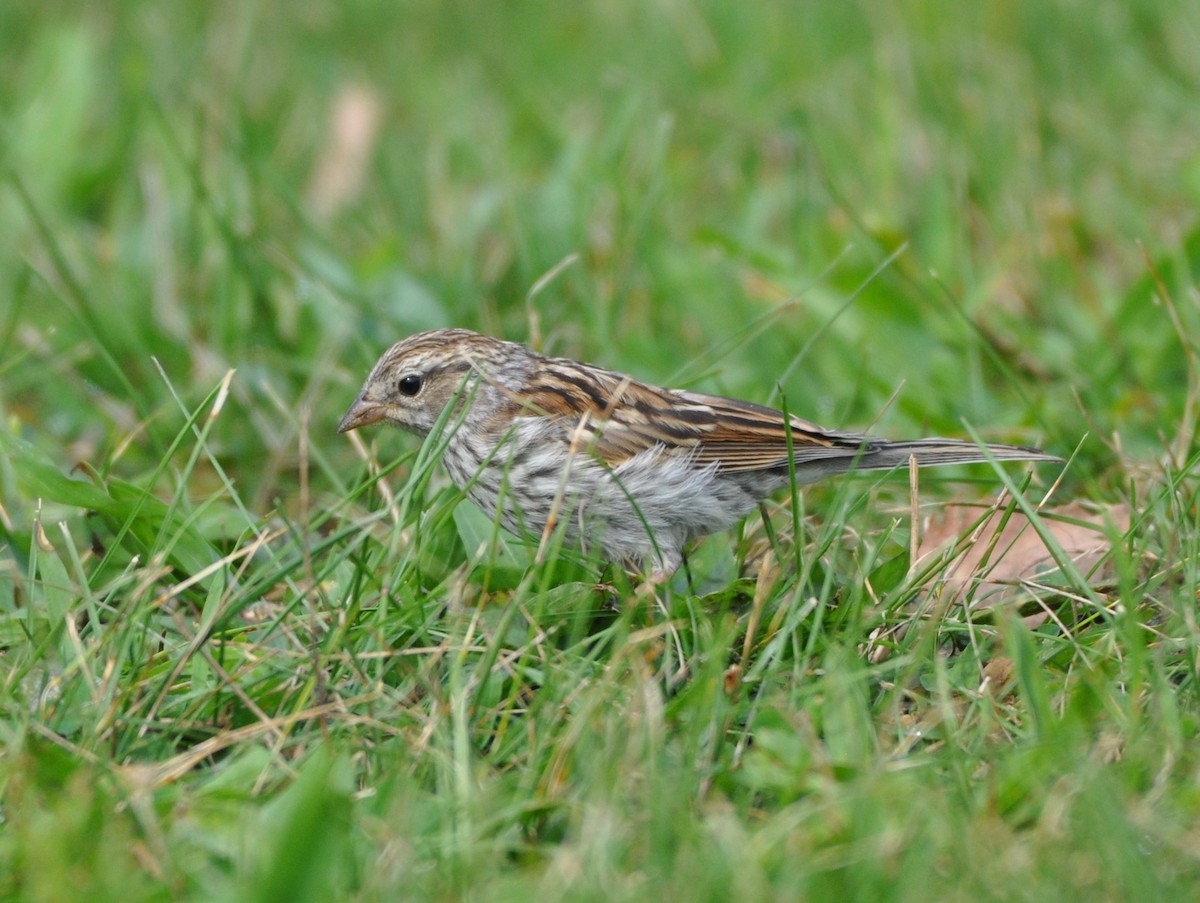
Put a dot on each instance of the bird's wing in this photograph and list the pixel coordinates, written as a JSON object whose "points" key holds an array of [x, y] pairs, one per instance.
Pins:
{"points": [[742, 436], [617, 417]]}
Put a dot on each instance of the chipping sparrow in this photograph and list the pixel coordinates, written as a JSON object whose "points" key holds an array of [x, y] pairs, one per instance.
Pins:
{"points": [[634, 469]]}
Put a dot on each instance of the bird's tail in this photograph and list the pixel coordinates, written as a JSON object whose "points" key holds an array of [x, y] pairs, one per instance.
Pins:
{"points": [[884, 455]]}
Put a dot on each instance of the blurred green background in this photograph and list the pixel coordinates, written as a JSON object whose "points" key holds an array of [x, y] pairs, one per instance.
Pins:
{"points": [[701, 164], [921, 216]]}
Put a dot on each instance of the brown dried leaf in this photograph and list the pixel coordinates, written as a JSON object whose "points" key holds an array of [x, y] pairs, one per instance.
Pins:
{"points": [[996, 675], [996, 562]]}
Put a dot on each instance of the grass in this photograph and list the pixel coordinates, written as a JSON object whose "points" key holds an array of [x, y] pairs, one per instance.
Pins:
{"points": [[246, 659]]}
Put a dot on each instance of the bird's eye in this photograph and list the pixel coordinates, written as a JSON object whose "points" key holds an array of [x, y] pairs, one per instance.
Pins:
{"points": [[410, 385]]}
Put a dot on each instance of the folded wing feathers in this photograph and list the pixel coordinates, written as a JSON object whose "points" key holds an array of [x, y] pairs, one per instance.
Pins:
{"points": [[741, 436]]}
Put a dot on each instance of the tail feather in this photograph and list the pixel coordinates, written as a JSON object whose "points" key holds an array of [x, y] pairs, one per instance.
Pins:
{"points": [[884, 455]]}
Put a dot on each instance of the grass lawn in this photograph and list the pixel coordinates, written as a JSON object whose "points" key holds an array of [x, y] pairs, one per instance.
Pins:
{"points": [[245, 658]]}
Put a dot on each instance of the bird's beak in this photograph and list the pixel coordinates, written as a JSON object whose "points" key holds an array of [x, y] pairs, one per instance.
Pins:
{"points": [[363, 412]]}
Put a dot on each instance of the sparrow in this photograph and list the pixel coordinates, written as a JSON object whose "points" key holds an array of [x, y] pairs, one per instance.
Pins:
{"points": [[632, 470]]}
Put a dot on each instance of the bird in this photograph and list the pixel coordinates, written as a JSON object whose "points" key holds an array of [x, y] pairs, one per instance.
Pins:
{"points": [[632, 470]]}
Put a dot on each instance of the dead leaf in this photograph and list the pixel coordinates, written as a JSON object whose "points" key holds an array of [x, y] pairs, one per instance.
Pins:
{"points": [[996, 675], [996, 562]]}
